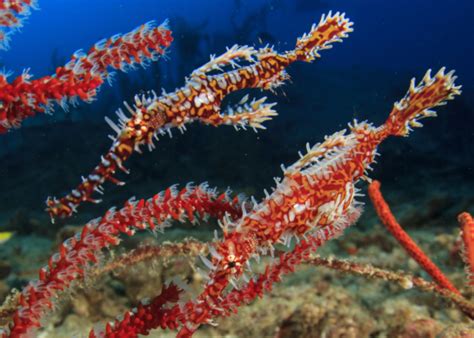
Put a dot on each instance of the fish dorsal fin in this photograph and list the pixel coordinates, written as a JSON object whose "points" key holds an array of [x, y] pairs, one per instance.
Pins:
{"points": [[231, 58], [322, 154]]}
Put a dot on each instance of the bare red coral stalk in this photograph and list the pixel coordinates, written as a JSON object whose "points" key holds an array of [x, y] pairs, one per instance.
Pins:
{"points": [[467, 227], [387, 218]]}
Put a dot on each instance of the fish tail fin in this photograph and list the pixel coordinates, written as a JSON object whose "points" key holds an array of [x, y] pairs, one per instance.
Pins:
{"points": [[430, 92]]}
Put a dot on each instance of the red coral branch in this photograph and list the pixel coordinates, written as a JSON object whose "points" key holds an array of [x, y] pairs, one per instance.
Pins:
{"points": [[81, 77], [467, 227], [387, 218], [145, 317], [77, 252]]}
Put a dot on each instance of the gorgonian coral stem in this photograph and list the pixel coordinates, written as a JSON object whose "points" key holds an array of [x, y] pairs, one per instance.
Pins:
{"points": [[387, 218], [82, 76], [165, 251], [405, 280], [467, 228]]}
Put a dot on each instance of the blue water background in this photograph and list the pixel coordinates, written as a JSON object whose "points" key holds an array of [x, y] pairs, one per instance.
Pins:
{"points": [[397, 35]]}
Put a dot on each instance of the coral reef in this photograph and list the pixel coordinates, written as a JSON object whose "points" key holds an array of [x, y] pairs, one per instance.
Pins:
{"points": [[298, 206], [314, 202]]}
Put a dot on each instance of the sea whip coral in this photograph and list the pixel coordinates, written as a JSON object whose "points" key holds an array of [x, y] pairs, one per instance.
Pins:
{"points": [[82, 76], [387, 218], [467, 229]]}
